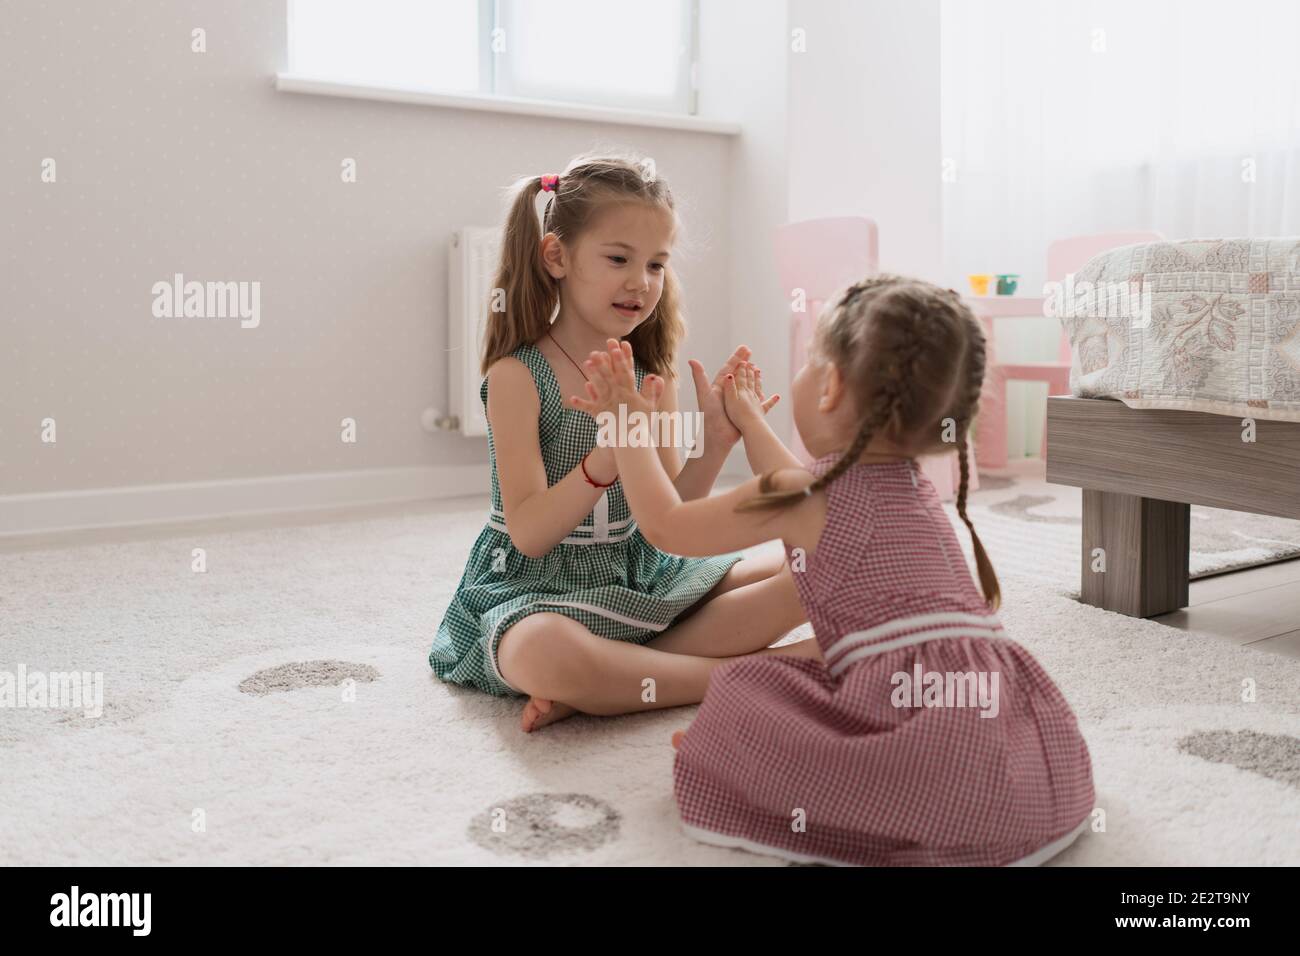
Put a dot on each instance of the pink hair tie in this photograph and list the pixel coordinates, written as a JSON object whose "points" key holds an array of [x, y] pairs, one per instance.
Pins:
{"points": [[550, 183]]}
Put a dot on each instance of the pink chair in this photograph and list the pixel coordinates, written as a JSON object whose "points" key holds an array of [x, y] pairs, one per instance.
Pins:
{"points": [[1064, 256], [820, 256]]}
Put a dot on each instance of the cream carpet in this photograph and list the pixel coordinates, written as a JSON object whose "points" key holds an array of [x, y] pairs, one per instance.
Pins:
{"points": [[278, 709], [1032, 528]]}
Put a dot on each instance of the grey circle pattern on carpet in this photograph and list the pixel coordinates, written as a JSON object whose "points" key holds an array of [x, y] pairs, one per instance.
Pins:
{"points": [[1276, 756], [541, 825], [301, 674], [1018, 507]]}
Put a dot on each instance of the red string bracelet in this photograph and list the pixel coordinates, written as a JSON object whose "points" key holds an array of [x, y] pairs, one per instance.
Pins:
{"points": [[590, 480]]}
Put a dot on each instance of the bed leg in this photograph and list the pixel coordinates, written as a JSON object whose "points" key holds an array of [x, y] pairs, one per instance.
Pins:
{"points": [[1144, 549]]}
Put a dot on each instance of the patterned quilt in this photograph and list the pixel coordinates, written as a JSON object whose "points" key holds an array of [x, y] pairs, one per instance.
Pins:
{"points": [[1210, 325]]}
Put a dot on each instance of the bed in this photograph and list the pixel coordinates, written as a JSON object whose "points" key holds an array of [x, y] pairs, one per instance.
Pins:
{"points": [[1190, 395]]}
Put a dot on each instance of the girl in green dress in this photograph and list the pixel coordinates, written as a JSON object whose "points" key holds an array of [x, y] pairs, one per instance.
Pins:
{"points": [[562, 599]]}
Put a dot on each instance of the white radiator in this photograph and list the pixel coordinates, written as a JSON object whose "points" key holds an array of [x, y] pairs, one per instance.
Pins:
{"points": [[474, 256]]}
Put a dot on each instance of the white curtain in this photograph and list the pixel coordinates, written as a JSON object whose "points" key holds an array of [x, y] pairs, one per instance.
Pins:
{"points": [[1062, 118]]}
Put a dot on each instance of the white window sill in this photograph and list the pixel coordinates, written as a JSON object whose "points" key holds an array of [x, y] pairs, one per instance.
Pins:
{"points": [[295, 83]]}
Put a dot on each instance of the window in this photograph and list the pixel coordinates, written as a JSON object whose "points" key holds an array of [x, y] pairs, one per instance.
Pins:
{"points": [[1063, 119], [614, 53]]}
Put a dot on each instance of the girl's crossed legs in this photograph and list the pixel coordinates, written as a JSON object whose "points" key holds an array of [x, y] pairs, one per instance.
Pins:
{"points": [[565, 668]]}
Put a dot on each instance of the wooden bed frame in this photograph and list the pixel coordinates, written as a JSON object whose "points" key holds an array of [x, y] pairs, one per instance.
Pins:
{"points": [[1141, 470]]}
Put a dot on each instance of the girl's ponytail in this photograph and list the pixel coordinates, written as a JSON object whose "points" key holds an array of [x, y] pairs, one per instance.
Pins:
{"points": [[524, 295]]}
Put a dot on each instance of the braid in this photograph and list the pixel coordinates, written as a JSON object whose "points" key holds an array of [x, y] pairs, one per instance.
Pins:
{"points": [[848, 458], [906, 370], [915, 356], [967, 406], [888, 413], [769, 498], [894, 390]]}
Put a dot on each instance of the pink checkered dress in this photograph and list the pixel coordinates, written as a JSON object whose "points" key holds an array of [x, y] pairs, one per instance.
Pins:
{"points": [[926, 738]]}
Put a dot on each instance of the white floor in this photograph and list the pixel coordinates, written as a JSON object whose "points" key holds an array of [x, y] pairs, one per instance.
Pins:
{"points": [[1193, 735]]}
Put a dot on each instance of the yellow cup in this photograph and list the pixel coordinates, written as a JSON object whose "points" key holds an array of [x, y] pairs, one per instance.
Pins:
{"points": [[979, 283]]}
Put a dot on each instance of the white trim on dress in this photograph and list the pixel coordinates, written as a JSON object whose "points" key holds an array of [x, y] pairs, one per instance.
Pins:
{"points": [[944, 624], [1037, 858], [600, 512], [602, 531]]}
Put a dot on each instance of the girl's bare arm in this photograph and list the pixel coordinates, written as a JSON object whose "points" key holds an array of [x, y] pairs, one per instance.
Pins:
{"points": [[695, 478], [537, 517], [703, 526], [707, 526], [765, 450], [746, 407]]}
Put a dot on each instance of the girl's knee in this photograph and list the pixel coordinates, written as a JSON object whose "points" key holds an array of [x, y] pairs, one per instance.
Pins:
{"points": [[745, 572], [542, 655]]}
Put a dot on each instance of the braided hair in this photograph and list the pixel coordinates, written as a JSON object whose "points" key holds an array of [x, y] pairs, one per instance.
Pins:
{"points": [[913, 359]]}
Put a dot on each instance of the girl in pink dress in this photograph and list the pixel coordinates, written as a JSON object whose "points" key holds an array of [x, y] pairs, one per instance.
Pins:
{"points": [[924, 735]]}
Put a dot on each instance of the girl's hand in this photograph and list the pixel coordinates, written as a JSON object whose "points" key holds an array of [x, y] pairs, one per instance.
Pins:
{"points": [[717, 427], [611, 383], [743, 396]]}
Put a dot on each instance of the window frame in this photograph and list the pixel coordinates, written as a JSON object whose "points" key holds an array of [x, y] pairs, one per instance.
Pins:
{"points": [[496, 83]]}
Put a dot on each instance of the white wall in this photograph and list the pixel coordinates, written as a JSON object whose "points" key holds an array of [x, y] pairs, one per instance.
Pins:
{"points": [[170, 161], [847, 126], [863, 111], [743, 77]]}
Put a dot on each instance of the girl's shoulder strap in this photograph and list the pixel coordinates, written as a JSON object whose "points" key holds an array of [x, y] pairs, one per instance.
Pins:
{"points": [[548, 388], [550, 411], [533, 359]]}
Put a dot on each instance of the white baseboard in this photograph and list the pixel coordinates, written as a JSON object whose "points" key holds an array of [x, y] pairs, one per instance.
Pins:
{"points": [[59, 511]]}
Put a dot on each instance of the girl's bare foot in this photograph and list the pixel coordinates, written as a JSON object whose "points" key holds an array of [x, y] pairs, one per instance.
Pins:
{"points": [[539, 712], [677, 738]]}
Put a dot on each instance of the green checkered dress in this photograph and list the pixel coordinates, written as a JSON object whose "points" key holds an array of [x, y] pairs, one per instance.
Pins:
{"points": [[604, 575]]}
